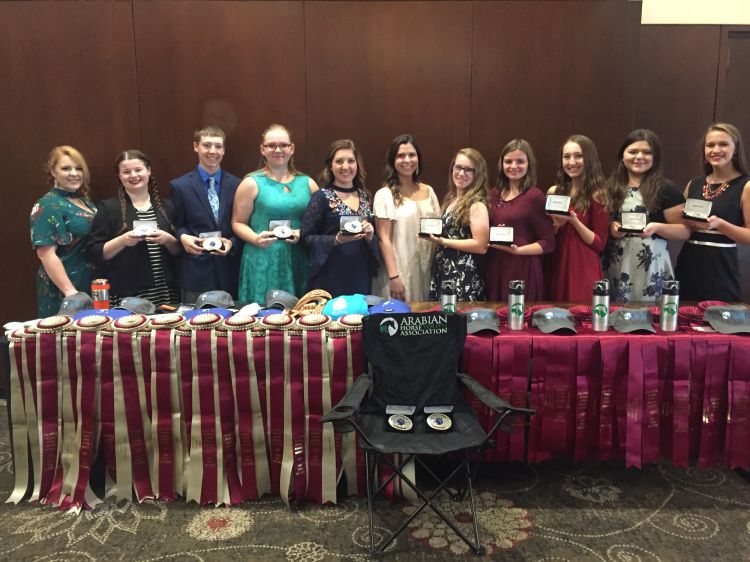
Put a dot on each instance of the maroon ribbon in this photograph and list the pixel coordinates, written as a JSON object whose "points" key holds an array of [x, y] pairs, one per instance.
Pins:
{"points": [[244, 413], [315, 351], [714, 402], [185, 351], [681, 400], [478, 362], [226, 412], [162, 377], [47, 407], [737, 446], [204, 365], [133, 407], [299, 419], [108, 406], [359, 365], [588, 391], [537, 398], [613, 399], [275, 393], [558, 413]]}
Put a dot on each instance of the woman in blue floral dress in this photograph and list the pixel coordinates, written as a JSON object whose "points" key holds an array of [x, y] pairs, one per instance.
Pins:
{"points": [[60, 224]]}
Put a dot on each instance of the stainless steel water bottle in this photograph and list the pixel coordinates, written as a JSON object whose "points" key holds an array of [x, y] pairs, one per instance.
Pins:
{"points": [[516, 295], [448, 296], [600, 306], [670, 302]]}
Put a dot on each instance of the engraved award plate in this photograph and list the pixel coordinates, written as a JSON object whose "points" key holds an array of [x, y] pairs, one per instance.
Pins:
{"points": [[281, 229], [697, 210], [350, 225], [429, 226], [501, 235], [142, 229], [633, 222], [557, 204]]}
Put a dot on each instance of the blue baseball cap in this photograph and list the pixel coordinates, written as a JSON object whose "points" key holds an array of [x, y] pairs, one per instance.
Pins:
{"points": [[346, 304], [390, 306]]}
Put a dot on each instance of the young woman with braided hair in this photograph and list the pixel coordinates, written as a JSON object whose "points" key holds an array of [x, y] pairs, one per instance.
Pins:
{"points": [[136, 263]]}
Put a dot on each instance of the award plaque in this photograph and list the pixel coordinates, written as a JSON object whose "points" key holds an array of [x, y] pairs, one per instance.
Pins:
{"points": [[429, 226], [697, 210], [141, 229], [350, 225], [633, 222], [557, 204], [281, 229], [501, 235], [212, 244]]}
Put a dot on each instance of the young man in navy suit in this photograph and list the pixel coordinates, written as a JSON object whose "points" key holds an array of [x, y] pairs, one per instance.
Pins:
{"points": [[202, 201]]}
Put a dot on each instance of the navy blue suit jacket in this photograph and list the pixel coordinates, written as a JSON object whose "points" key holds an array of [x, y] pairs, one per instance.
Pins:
{"points": [[193, 215]]}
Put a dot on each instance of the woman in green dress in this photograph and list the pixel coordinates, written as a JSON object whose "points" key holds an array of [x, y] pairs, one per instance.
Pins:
{"points": [[60, 223], [275, 192]]}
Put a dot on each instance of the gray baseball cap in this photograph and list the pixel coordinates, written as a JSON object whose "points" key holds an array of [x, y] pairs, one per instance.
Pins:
{"points": [[481, 319], [276, 298], [626, 320], [214, 299], [728, 319], [75, 303], [550, 320], [136, 305]]}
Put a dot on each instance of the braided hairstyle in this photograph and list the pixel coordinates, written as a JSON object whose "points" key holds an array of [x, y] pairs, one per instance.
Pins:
{"points": [[153, 189]]}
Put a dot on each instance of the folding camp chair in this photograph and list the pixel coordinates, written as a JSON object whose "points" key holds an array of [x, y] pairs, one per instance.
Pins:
{"points": [[413, 362]]}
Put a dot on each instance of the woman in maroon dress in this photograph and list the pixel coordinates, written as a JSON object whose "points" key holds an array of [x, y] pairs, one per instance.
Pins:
{"points": [[581, 235], [516, 202]]}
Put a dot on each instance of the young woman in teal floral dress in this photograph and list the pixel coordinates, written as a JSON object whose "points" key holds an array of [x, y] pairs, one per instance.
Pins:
{"points": [[60, 224]]}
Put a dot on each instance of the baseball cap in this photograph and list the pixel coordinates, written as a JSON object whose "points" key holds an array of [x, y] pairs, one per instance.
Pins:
{"points": [[346, 304], [214, 299], [75, 303], [372, 300], [276, 298], [226, 313], [728, 319], [481, 319], [553, 319], [136, 305], [626, 320], [391, 305]]}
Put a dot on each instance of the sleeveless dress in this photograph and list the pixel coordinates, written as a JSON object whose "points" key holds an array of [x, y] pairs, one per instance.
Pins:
{"points": [[574, 266], [55, 220], [413, 255], [449, 264], [637, 267], [281, 265], [708, 266]]}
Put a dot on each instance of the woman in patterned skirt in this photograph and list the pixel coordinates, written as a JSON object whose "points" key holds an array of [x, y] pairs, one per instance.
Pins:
{"points": [[638, 263]]}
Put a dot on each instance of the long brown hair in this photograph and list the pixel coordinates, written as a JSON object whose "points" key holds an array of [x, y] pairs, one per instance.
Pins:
{"points": [[153, 189], [54, 157], [477, 191], [592, 181], [325, 178], [529, 180], [738, 159], [390, 172], [617, 186]]}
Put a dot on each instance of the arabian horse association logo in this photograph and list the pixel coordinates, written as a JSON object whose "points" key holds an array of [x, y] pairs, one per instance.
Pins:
{"points": [[600, 310], [388, 326]]}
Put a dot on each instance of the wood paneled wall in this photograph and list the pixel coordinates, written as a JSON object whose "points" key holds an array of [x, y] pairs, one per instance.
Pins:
{"points": [[105, 76]]}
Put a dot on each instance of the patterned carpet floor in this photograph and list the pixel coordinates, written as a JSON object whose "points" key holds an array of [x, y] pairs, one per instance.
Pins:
{"points": [[551, 512]]}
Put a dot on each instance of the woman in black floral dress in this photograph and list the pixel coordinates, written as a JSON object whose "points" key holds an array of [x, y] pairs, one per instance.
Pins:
{"points": [[466, 228], [637, 264]]}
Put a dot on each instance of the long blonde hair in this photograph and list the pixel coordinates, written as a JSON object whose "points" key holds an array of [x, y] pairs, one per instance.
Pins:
{"points": [[477, 191]]}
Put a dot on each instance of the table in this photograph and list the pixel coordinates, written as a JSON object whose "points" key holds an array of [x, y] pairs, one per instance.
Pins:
{"points": [[220, 415]]}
